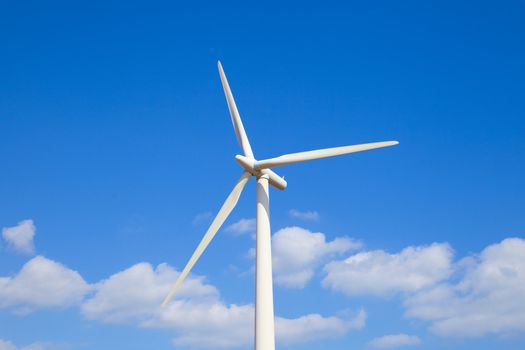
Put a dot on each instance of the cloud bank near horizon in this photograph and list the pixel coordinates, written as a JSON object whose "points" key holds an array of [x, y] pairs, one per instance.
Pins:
{"points": [[471, 297]]}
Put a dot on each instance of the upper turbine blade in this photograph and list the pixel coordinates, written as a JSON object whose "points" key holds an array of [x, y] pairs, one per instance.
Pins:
{"points": [[318, 154], [226, 209], [236, 118]]}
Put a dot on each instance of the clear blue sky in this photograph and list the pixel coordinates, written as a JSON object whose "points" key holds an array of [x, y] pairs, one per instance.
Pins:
{"points": [[115, 137]]}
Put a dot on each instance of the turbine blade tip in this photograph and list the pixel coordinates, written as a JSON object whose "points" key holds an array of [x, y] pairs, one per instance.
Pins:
{"points": [[165, 302]]}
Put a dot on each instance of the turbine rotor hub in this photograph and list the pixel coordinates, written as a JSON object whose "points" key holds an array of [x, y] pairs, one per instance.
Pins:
{"points": [[249, 164]]}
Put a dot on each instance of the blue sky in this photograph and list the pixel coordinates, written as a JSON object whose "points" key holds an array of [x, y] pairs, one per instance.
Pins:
{"points": [[117, 148]]}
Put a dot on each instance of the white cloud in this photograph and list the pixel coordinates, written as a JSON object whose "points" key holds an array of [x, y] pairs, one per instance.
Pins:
{"points": [[208, 325], [381, 273], [202, 218], [476, 296], [242, 226], [297, 252], [488, 298], [309, 215], [214, 324], [39, 346], [315, 326], [8, 345], [394, 341], [232, 326], [42, 283], [197, 315], [20, 237], [135, 294]]}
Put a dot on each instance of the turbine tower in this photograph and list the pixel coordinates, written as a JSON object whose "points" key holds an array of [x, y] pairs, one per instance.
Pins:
{"points": [[261, 170]]}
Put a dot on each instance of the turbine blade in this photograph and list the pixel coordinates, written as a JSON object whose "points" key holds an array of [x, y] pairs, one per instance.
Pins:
{"points": [[234, 113], [319, 154], [226, 209]]}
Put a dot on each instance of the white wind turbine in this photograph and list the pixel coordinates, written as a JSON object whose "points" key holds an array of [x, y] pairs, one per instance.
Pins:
{"points": [[261, 169]]}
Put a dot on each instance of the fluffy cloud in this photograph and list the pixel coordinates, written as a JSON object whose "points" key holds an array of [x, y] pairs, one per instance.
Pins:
{"points": [[8, 345], [381, 273], [20, 237], [134, 296], [394, 341], [144, 288], [297, 251], [476, 296], [210, 324], [218, 325], [242, 226], [197, 315], [304, 215], [42, 283], [202, 218], [40, 346], [489, 296], [315, 326], [214, 324]]}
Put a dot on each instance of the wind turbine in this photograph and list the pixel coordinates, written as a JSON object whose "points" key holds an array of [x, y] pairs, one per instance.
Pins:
{"points": [[261, 170]]}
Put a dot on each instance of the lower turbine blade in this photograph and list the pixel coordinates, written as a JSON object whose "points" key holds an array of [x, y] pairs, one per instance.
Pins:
{"points": [[226, 209]]}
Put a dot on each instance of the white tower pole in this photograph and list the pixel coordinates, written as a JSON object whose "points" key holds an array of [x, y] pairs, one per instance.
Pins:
{"points": [[264, 319]]}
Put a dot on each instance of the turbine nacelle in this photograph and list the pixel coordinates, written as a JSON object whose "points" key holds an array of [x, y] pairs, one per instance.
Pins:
{"points": [[250, 165]]}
